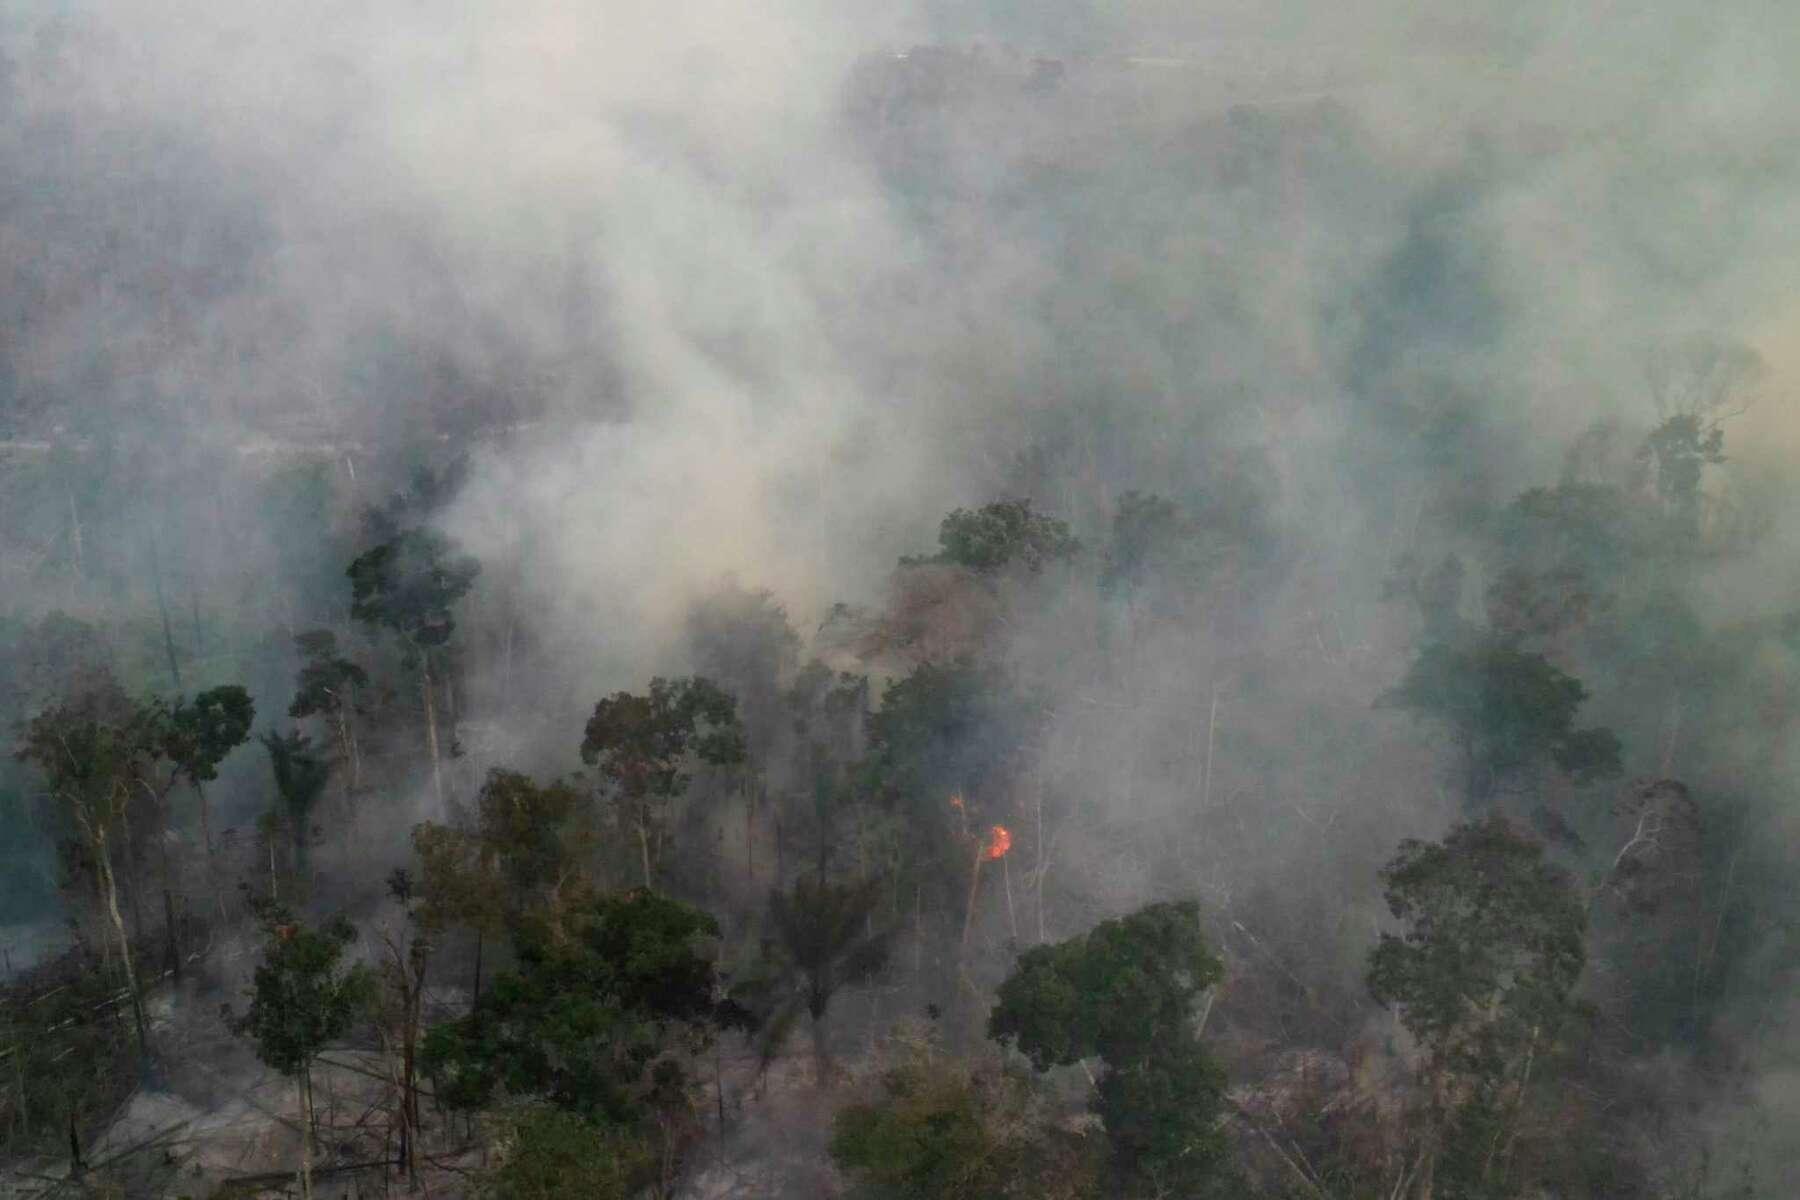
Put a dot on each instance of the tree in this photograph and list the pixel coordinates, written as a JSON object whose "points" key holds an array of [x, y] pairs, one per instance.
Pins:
{"points": [[402, 975], [602, 1019], [326, 688], [1158, 552], [95, 752], [201, 733], [828, 939], [547, 1153], [642, 746], [408, 586], [304, 998], [1492, 943], [1508, 710], [996, 535], [1125, 992], [300, 777], [941, 1129]]}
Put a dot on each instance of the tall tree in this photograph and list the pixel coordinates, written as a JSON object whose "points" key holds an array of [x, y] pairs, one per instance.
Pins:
{"points": [[644, 746], [1002, 534], [1508, 710], [300, 777], [1126, 992], [304, 998], [603, 1019], [327, 688], [409, 586], [201, 732], [96, 752], [828, 938], [1493, 940]]}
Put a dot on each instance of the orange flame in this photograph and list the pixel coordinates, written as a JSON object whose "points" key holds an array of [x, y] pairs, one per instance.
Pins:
{"points": [[956, 801], [999, 842]]}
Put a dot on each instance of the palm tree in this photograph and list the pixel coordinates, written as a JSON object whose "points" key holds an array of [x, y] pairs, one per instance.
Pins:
{"points": [[827, 937]]}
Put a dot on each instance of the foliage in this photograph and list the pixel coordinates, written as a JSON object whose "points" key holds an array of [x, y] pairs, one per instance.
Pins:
{"points": [[949, 727], [534, 834], [545, 1153], [409, 585], [1121, 991], [300, 778], [943, 1130], [1493, 943], [642, 747], [201, 732], [1163, 1118], [827, 938], [1507, 710], [1126, 992], [1155, 540], [304, 997], [327, 683], [997, 535], [458, 883], [742, 640], [599, 1018]]}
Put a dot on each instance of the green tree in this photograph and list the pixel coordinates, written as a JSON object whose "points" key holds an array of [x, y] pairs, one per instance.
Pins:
{"points": [[96, 752], [300, 777], [304, 997], [1508, 711], [828, 939], [1493, 941], [602, 1019], [546, 1153], [523, 855], [327, 688], [201, 732], [409, 586], [644, 746], [1126, 992], [943, 1129], [997, 535], [586, 1021]]}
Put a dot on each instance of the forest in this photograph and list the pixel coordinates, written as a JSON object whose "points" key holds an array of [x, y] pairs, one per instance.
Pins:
{"points": [[974, 604]]}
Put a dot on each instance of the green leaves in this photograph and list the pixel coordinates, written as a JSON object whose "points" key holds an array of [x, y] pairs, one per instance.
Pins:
{"points": [[326, 683], [997, 535], [303, 998], [408, 585], [943, 1131], [1120, 991], [1125, 992], [1508, 710], [548, 1154], [201, 732], [1494, 941], [597, 1016], [640, 743]]}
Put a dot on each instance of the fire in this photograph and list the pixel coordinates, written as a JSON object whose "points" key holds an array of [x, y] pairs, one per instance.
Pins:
{"points": [[956, 801], [999, 842]]}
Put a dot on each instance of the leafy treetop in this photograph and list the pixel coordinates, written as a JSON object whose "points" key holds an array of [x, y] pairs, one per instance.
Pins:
{"points": [[1493, 940], [1120, 991], [409, 584], [996, 535]]}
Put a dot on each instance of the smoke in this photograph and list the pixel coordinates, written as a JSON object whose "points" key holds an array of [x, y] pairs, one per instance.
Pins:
{"points": [[715, 291]]}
